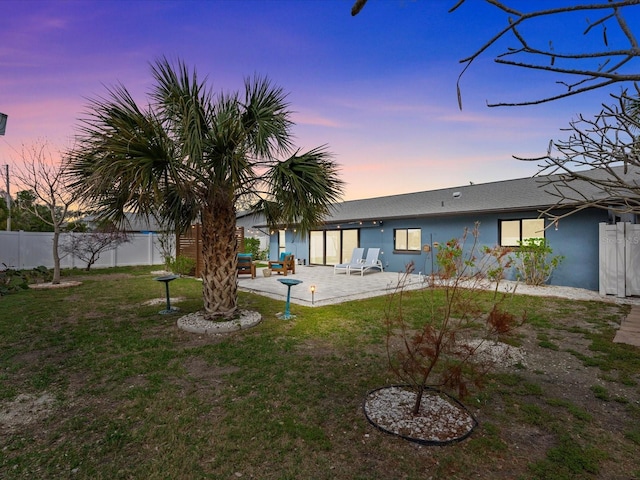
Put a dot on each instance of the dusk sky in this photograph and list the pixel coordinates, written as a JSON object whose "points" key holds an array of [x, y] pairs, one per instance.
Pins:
{"points": [[378, 89]]}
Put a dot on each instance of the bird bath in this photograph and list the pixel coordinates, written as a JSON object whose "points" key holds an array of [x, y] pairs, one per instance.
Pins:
{"points": [[289, 282], [166, 279]]}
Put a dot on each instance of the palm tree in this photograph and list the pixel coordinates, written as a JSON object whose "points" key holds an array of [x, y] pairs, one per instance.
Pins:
{"points": [[191, 156]]}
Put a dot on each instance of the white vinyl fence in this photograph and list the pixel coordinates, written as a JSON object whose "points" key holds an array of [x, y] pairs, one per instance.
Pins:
{"points": [[26, 250]]}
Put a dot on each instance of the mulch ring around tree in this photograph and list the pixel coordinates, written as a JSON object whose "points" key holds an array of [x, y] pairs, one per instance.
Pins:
{"points": [[197, 323], [441, 420]]}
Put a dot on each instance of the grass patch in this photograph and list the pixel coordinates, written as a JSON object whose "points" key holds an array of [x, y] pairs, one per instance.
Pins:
{"points": [[545, 342], [134, 397], [577, 412], [600, 392], [569, 460]]}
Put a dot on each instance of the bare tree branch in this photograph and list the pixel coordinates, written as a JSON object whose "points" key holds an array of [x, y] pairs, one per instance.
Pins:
{"points": [[45, 178], [574, 63], [589, 68], [89, 246], [598, 165], [357, 6]]}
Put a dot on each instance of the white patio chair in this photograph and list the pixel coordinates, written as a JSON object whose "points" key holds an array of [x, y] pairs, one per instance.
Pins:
{"points": [[356, 259], [370, 262]]}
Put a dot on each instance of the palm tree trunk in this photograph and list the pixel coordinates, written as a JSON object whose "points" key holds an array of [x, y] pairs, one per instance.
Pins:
{"points": [[219, 276]]}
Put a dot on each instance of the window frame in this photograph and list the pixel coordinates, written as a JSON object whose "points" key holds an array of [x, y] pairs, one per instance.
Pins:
{"points": [[540, 233], [406, 233], [282, 242]]}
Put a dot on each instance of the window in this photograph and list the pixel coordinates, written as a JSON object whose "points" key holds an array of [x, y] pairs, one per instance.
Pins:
{"points": [[514, 231], [407, 239]]}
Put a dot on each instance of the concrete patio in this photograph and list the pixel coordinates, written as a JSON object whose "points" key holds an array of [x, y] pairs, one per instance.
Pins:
{"points": [[338, 288], [330, 288]]}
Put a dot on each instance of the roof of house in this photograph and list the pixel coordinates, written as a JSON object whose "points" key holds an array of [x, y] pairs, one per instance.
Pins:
{"points": [[501, 196], [132, 223], [530, 193], [496, 196], [141, 223], [249, 221]]}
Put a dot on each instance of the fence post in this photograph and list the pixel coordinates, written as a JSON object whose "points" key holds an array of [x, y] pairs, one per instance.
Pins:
{"points": [[150, 248], [602, 263], [199, 250], [21, 244]]}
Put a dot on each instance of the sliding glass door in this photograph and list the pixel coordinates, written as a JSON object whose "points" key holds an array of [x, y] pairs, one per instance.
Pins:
{"points": [[316, 247], [329, 247], [350, 240]]}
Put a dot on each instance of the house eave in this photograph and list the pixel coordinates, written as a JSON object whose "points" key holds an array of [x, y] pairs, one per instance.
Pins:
{"points": [[356, 221]]}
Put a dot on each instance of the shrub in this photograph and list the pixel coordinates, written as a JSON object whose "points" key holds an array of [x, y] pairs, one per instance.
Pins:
{"points": [[166, 246], [12, 280], [252, 246], [183, 265], [449, 258], [535, 261], [39, 274]]}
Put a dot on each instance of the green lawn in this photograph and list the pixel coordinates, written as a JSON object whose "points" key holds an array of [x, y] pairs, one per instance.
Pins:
{"points": [[117, 391]]}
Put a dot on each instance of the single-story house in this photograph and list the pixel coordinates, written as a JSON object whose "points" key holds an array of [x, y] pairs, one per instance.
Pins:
{"points": [[401, 226], [247, 220], [132, 223]]}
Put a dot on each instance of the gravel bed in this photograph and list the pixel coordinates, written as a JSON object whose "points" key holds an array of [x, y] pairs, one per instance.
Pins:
{"points": [[49, 285], [196, 323], [497, 353], [163, 301], [439, 421]]}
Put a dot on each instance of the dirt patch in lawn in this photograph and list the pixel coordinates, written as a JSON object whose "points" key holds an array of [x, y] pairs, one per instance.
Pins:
{"points": [[24, 410]]}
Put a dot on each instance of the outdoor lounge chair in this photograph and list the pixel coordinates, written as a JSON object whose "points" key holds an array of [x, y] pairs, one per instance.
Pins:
{"points": [[356, 258], [368, 263], [246, 265], [284, 264]]}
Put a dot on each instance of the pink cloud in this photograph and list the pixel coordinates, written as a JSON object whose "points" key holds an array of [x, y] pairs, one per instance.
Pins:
{"points": [[316, 120]]}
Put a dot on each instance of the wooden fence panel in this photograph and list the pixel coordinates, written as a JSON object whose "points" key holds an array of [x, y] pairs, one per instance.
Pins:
{"points": [[190, 245]]}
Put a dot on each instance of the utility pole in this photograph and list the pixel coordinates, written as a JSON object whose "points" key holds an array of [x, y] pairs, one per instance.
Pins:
{"points": [[3, 128], [8, 199]]}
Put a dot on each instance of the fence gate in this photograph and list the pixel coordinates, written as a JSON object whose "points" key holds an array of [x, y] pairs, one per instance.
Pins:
{"points": [[619, 259]]}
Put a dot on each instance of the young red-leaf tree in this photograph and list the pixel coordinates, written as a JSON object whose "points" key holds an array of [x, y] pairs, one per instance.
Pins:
{"points": [[445, 345]]}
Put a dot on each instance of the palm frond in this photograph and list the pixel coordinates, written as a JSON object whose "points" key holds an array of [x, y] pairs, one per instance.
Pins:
{"points": [[305, 186], [123, 157], [266, 118], [184, 104]]}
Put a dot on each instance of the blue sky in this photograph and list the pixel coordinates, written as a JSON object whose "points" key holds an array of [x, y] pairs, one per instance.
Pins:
{"points": [[378, 89]]}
